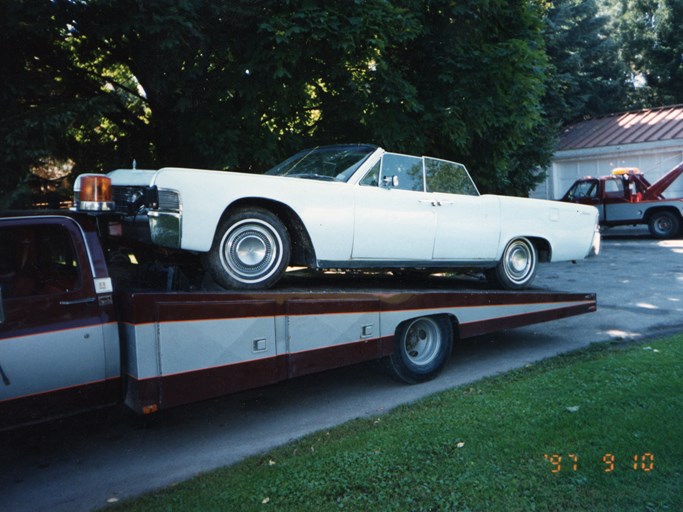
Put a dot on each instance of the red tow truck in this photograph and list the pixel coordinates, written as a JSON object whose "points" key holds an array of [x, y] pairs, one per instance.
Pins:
{"points": [[626, 197], [90, 319]]}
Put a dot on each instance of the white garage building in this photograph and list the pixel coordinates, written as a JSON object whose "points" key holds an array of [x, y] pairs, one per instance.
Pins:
{"points": [[650, 139]]}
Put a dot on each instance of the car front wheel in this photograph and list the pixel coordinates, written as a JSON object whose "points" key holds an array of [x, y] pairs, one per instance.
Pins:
{"points": [[422, 347], [251, 250], [517, 267], [664, 225]]}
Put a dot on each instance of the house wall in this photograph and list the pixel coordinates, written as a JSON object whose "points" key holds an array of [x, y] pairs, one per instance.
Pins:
{"points": [[653, 159]]}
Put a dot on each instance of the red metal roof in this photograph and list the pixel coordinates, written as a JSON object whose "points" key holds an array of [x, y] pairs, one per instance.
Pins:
{"points": [[648, 125]]}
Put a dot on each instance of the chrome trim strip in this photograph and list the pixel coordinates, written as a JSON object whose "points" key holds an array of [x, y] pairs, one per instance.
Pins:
{"points": [[95, 206], [446, 265]]}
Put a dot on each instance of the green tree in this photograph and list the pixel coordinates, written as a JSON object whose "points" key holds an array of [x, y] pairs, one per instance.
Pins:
{"points": [[457, 80], [34, 115], [587, 77], [480, 72], [56, 111], [241, 84], [653, 49], [317, 69], [174, 69]]}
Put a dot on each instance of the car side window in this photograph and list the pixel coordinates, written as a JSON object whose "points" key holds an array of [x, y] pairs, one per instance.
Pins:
{"points": [[402, 172], [37, 260], [448, 178], [371, 179]]}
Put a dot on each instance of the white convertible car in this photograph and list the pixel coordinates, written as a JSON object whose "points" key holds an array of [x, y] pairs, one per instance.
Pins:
{"points": [[351, 207]]}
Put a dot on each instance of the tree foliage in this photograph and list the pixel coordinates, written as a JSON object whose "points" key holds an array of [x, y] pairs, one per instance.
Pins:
{"points": [[242, 84], [587, 77], [479, 71], [652, 44]]}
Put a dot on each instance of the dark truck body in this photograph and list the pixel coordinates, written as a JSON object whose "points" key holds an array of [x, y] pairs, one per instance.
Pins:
{"points": [[72, 338], [626, 197]]}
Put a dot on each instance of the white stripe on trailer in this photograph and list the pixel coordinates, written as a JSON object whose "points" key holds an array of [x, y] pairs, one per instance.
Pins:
{"points": [[473, 314]]}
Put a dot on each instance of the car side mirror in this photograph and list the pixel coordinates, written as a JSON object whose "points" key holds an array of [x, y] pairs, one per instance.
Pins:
{"points": [[390, 181]]}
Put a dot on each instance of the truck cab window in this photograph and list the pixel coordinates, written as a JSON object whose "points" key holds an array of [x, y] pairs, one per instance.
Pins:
{"points": [[585, 189], [37, 260], [614, 188]]}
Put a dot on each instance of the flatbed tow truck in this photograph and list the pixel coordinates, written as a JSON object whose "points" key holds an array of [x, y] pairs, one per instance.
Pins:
{"points": [[88, 322]]}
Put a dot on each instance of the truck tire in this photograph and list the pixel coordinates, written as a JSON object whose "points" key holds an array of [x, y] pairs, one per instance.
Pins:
{"points": [[251, 250], [517, 267], [664, 224], [422, 347]]}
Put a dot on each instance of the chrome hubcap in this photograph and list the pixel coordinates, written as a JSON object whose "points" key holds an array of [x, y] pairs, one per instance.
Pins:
{"points": [[251, 251], [518, 261]]}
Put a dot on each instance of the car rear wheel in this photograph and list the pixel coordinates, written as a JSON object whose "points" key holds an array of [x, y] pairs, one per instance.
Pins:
{"points": [[251, 250], [421, 348], [664, 225], [517, 267]]}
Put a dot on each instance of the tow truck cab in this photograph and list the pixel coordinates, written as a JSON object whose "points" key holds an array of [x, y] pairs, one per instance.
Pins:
{"points": [[624, 185]]}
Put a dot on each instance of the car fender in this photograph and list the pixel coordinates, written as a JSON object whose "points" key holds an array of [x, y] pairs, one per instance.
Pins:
{"points": [[325, 208]]}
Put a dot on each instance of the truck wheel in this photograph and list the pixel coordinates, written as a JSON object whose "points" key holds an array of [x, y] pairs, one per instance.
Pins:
{"points": [[664, 225], [517, 267], [250, 250], [421, 348]]}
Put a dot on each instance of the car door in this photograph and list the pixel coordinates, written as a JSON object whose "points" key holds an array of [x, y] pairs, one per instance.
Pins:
{"points": [[52, 357], [394, 218], [468, 225]]}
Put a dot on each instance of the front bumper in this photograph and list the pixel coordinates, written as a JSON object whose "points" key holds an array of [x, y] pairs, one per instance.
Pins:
{"points": [[151, 214]]}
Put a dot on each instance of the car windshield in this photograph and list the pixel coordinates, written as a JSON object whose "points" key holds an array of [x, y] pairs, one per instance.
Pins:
{"points": [[328, 163]]}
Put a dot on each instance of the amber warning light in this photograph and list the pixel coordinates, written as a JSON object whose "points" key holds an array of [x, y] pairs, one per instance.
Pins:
{"points": [[93, 193]]}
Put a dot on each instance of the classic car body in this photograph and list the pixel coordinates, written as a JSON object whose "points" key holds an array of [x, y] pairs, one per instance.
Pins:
{"points": [[352, 207]]}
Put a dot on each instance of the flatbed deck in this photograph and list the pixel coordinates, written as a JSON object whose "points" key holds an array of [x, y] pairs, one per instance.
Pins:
{"points": [[186, 346]]}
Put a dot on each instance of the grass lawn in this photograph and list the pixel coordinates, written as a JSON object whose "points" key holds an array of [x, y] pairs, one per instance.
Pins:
{"points": [[598, 430]]}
